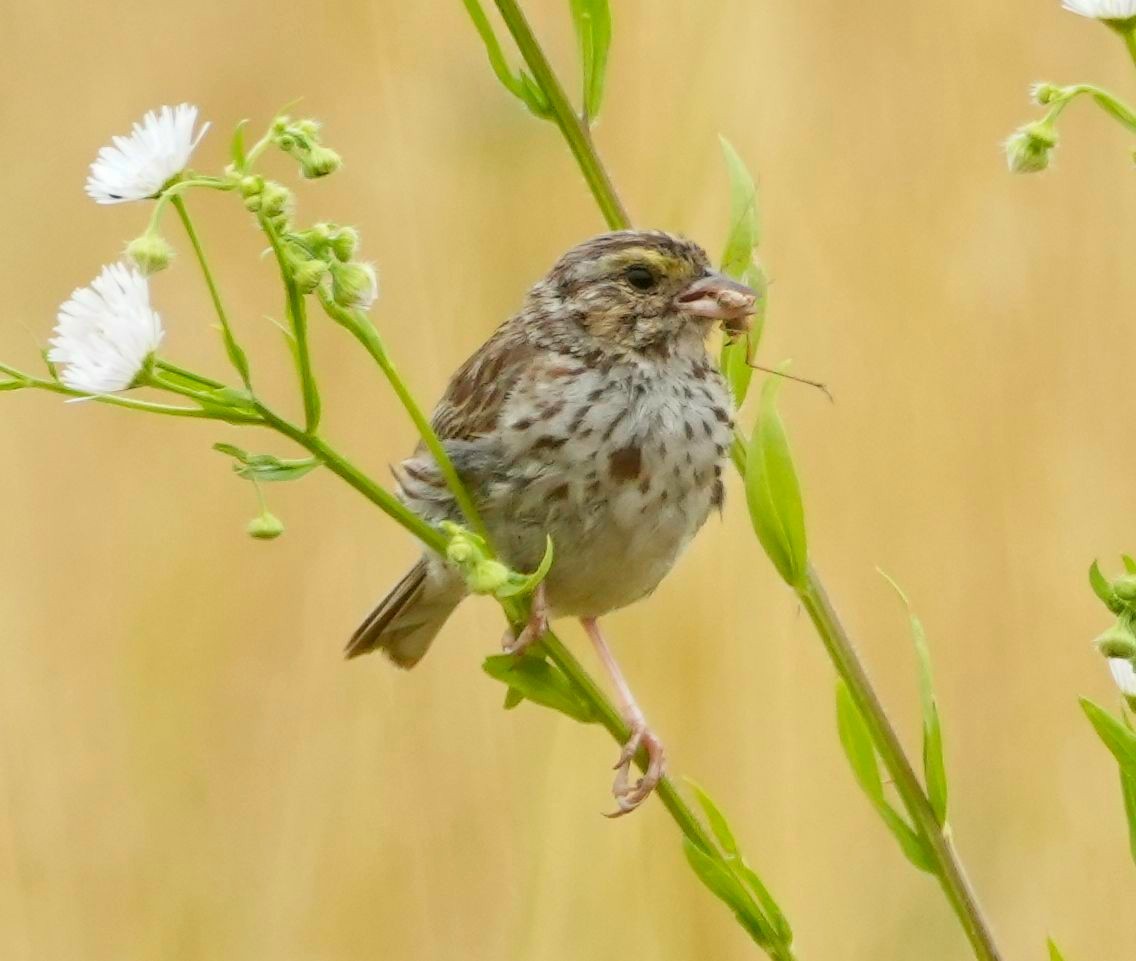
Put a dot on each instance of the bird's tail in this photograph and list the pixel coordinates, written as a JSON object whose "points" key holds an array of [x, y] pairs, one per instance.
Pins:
{"points": [[410, 616]]}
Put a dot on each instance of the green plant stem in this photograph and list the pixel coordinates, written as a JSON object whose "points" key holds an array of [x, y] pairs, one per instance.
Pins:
{"points": [[571, 125], [1129, 36], [1106, 101], [948, 868], [298, 317], [232, 349], [812, 594], [360, 326], [341, 466]]}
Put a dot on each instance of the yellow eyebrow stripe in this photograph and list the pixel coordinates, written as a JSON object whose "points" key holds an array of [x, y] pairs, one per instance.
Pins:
{"points": [[641, 255]]}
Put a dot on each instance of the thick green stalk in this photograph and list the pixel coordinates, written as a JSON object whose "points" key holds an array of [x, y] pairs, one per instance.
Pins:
{"points": [[948, 867], [571, 125]]}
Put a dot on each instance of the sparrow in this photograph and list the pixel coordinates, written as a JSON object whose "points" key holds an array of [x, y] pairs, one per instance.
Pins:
{"points": [[595, 416]]}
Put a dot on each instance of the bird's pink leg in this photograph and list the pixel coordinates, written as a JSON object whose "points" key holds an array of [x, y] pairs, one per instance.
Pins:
{"points": [[628, 796], [534, 630]]}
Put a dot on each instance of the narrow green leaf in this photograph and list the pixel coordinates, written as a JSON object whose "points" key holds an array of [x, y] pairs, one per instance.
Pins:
{"points": [[856, 740], [717, 820], [237, 146], [267, 467], [1128, 792], [1101, 587], [1054, 953], [1129, 563], [526, 585], [540, 682], [520, 84], [722, 883], [533, 96], [1115, 735], [773, 913], [934, 768], [743, 234], [773, 493], [513, 697], [910, 841], [592, 19]]}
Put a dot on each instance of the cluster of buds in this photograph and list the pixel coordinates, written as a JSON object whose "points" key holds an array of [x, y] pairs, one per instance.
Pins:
{"points": [[300, 140], [483, 573], [1118, 643], [268, 198], [329, 249]]}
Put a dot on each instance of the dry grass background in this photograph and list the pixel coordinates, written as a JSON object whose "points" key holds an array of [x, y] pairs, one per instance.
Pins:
{"points": [[187, 768]]}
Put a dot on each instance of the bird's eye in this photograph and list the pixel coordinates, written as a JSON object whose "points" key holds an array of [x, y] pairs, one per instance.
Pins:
{"points": [[640, 278]]}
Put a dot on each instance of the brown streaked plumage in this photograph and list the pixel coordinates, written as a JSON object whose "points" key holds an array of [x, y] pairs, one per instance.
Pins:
{"points": [[595, 416]]}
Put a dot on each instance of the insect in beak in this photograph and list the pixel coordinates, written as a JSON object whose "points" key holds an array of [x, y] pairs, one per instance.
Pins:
{"points": [[717, 297]]}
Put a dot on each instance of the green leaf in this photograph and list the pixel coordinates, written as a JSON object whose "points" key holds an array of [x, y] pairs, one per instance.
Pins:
{"points": [[717, 820], [1115, 734], [1128, 792], [856, 740], [773, 493], [1129, 563], [743, 234], [540, 682], [1054, 953], [934, 768], [773, 913], [526, 585], [910, 841], [237, 146], [592, 19], [728, 889], [1102, 588], [513, 697], [266, 467], [520, 84]]}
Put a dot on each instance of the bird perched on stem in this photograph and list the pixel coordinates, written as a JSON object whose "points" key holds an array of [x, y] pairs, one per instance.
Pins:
{"points": [[596, 416]]}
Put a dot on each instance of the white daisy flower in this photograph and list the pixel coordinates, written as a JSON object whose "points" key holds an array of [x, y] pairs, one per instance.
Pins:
{"points": [[1102, 9], [136, 167], [106, 332], [1124, 674]]}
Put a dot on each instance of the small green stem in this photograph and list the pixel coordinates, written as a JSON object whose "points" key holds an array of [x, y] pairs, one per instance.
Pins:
{"points": [[298, 318], [571, 125], [948, 867], [200, 379], [1110, 104], [233, 350]]}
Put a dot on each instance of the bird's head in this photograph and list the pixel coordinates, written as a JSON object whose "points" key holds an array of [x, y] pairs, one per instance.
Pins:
{"points": [[642, 289]]}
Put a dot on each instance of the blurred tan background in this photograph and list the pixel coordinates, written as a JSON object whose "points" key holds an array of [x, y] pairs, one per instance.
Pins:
{"points": [[188, 770]]}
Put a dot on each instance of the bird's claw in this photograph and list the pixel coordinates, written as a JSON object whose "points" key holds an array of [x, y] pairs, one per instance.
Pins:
{"points": [[533, 632], [629, 796]]}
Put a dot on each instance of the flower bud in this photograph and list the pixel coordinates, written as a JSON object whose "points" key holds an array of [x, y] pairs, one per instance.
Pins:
{"points": [[344, 243], [1045, 93], [275, 200], [319, 161], [1117, 641], [307, 274], [354, 285], [266, 527], [150, 253], [1124, 587], [487, 576], [1028, 149]]}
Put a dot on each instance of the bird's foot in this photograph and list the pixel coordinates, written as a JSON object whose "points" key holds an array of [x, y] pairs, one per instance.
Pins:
{"points": [[534, 629], [629, 796]]}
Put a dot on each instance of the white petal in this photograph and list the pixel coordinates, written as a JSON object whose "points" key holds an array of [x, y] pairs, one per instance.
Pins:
{"points": [[1124, 674], [105, 332], [1102, 9], [135, 167]]}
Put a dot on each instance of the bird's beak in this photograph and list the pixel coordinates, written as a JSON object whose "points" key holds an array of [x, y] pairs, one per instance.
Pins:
{"points": [[717, 297]]}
